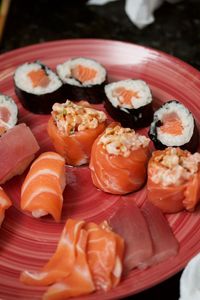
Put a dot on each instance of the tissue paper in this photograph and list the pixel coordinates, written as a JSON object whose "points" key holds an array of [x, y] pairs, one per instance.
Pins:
{"points": [[140, 12]]}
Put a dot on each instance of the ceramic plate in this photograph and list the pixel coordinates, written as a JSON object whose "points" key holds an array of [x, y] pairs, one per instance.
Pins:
{"points": [[27, 243]]}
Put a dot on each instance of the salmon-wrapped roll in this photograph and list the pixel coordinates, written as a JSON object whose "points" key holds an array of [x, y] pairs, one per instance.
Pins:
{"points": [[119, 160], [5, 203], [174, 179], [42, 190], [73, 129]]}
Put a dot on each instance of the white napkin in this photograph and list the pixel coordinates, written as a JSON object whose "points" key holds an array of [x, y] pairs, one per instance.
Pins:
{"points": [[140, 12], [190, 280]]}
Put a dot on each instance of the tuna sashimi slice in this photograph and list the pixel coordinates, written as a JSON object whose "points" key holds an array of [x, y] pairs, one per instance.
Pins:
{"points": [[17, 147], [130, 224], [164, 242]]}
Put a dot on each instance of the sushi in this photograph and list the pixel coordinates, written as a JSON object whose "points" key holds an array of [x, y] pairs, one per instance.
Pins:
{"points": [[129, 102], [88, 258], [83, 78], [174, 126], [8, 113], [5, 203], [73, 128], [18, 147], [42, 189], [37, 87], [174, 179], [119, 160]]}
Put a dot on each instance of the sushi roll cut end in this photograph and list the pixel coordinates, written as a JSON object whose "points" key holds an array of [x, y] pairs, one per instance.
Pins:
{"points": [[8, 113], [73, 129], [174, 126], [37, 87], [83, 78], [174, 179], [129, 102]]}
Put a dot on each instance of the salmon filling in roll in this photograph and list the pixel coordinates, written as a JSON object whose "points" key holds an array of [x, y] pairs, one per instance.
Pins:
{"points": [[119, 160], [174, 126], [174, 179], [73, 129], [129, 102], [8, 113], [83, 78]]}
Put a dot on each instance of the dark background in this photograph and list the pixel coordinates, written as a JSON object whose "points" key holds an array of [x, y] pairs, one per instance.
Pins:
{"points": [[176, 30]]}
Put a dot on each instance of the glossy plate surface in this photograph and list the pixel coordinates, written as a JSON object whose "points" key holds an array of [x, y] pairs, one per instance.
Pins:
{"points": [[27, 243]]}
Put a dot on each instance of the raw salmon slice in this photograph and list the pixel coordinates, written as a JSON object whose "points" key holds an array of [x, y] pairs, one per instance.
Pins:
{"points": [[5, 203], [125, 96], [42, 190]]}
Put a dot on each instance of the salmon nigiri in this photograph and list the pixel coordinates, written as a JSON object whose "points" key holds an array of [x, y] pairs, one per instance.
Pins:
{"points": [[174, 179], [73, 129], [5, 203], [119, 160], [42, 190]]}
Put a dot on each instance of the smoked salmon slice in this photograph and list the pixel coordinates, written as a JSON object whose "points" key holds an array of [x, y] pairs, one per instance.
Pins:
{"points": [[42, 190], [73, 130], [5, 203], [174, 179], [119, 160]]}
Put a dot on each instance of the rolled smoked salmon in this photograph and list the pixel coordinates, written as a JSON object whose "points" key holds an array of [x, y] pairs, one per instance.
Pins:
{"points": [[174, 179], [119, 160], [73, 130], [42, 190], [5, 203]]}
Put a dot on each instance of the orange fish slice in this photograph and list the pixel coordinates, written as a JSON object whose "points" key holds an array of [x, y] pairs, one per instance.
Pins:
{"points": [[42, 189], [5, 203], [62, 262], [125, 96], [39, 78], [79, 281], [172, 124], [75, 148], [82, 73], [101, 255]]}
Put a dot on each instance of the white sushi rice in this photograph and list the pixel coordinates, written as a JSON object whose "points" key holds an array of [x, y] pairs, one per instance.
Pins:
{"points": [[8, 103], [65, 72], [138, 86], [23, 81], [187, 123]]}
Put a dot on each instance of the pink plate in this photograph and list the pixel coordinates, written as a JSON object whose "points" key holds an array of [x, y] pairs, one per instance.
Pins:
{"points": [[27, 243]]}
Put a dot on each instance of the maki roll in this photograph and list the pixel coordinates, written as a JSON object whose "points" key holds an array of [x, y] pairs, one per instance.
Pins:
{"points": [[119, 160], [73, 129], [83, 78], [174, 126], [8, 113], [129, 102], [174, 179], [37, 87]]}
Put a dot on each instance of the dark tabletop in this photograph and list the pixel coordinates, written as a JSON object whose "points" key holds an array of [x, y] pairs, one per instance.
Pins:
{"points": [[176, 30]]}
